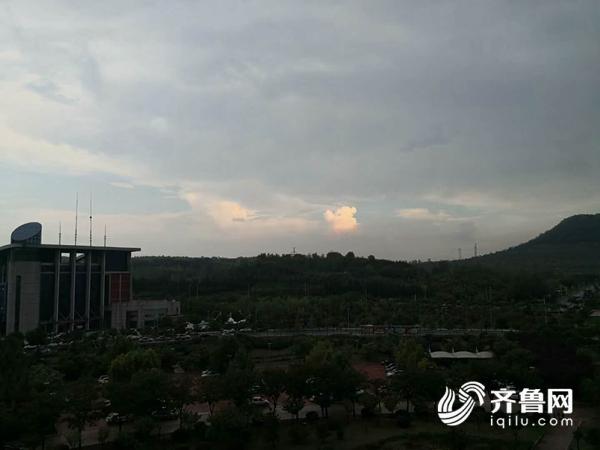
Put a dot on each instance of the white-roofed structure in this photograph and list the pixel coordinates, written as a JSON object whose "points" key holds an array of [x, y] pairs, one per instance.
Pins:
{"points": [[461, 355]]}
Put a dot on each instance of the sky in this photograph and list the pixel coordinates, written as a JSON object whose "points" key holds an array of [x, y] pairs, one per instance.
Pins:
{"points": [[402, 129]]}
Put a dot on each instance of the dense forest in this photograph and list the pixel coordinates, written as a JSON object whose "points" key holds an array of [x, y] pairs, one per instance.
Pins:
{"points": [[333, 274], [507, 288]]}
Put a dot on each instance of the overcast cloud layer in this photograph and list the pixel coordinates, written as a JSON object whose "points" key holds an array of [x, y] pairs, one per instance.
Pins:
{"points": [[400, 129]]}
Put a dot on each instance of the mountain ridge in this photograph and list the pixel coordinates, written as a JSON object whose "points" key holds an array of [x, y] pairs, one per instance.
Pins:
{"points": [[573, 245]]}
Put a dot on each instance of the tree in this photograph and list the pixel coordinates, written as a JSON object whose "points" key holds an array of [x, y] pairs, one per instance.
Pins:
{"points": [[369, 402], [179, 388], [229, 429], [390, 401], [148, 391], [239, 382], [210, 390], [296, 389], [124, 366], [405, 384], [325, 368], [36, 337], [293, 405], [79, 406], [40, 415], [410, 354], [348, 385], [13, 371], [273, 385]]}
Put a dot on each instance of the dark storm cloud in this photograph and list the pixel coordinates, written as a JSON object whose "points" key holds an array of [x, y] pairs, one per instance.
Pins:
{"points": [[482, 113]]}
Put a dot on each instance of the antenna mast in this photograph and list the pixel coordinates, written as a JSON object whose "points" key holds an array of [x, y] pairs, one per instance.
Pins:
{"points": [[59, 232], [90, 219], [459, 253], [475, 250], [105, 235], [76, 214]]}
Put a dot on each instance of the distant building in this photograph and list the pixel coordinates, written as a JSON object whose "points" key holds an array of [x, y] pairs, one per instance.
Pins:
{"points": [[142, 313], [67, 287], [461, 355]]}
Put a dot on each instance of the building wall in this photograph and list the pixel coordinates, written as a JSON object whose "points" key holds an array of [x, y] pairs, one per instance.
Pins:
{"points": [[27, 294], [139, 313], [30, 287]]}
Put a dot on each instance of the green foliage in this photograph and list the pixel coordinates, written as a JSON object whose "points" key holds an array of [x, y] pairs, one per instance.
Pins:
{"points": [[36, 337], [273, 384], [79, 406], [124, 366], [410, 355], [146, 391], [229, 429]]}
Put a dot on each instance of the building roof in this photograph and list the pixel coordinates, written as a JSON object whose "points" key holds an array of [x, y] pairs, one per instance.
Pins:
{"points": [[461, 355], [68, 247]]}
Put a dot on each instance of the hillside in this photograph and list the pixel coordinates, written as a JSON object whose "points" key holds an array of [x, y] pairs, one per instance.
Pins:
{"points": [[572, 246], [298, 275]]}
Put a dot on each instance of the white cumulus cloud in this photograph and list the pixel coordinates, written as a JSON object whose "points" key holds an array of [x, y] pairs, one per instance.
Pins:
{"points": [[342, 219]]}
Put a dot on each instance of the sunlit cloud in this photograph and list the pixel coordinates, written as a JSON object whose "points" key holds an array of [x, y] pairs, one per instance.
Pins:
{"points": [[342, 220], [122, 185], [36, 154], [227, 212], [422, 214], [230, 216]]}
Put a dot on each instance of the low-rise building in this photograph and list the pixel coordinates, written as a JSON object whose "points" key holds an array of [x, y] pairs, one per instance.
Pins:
{"points": [[61, 287]]}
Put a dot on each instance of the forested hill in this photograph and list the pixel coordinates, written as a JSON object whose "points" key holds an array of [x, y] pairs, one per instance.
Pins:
{"points": [[334, 274], [572, 246], [297, 275]]}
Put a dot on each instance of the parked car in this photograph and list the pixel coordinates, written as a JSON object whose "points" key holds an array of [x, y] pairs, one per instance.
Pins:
{"points": [[114, 418], [164, 413], [257, 400]]}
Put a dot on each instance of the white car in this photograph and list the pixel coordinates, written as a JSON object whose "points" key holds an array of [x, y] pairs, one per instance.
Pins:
{"points": [[257, 400], [207, 373], [103, 379]]}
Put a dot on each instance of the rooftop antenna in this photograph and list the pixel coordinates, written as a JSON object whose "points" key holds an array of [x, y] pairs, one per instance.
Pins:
{"points": [[459, 253], [475, 250], [90, 219], [105, 235], [76, 214], [59, 232]]}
